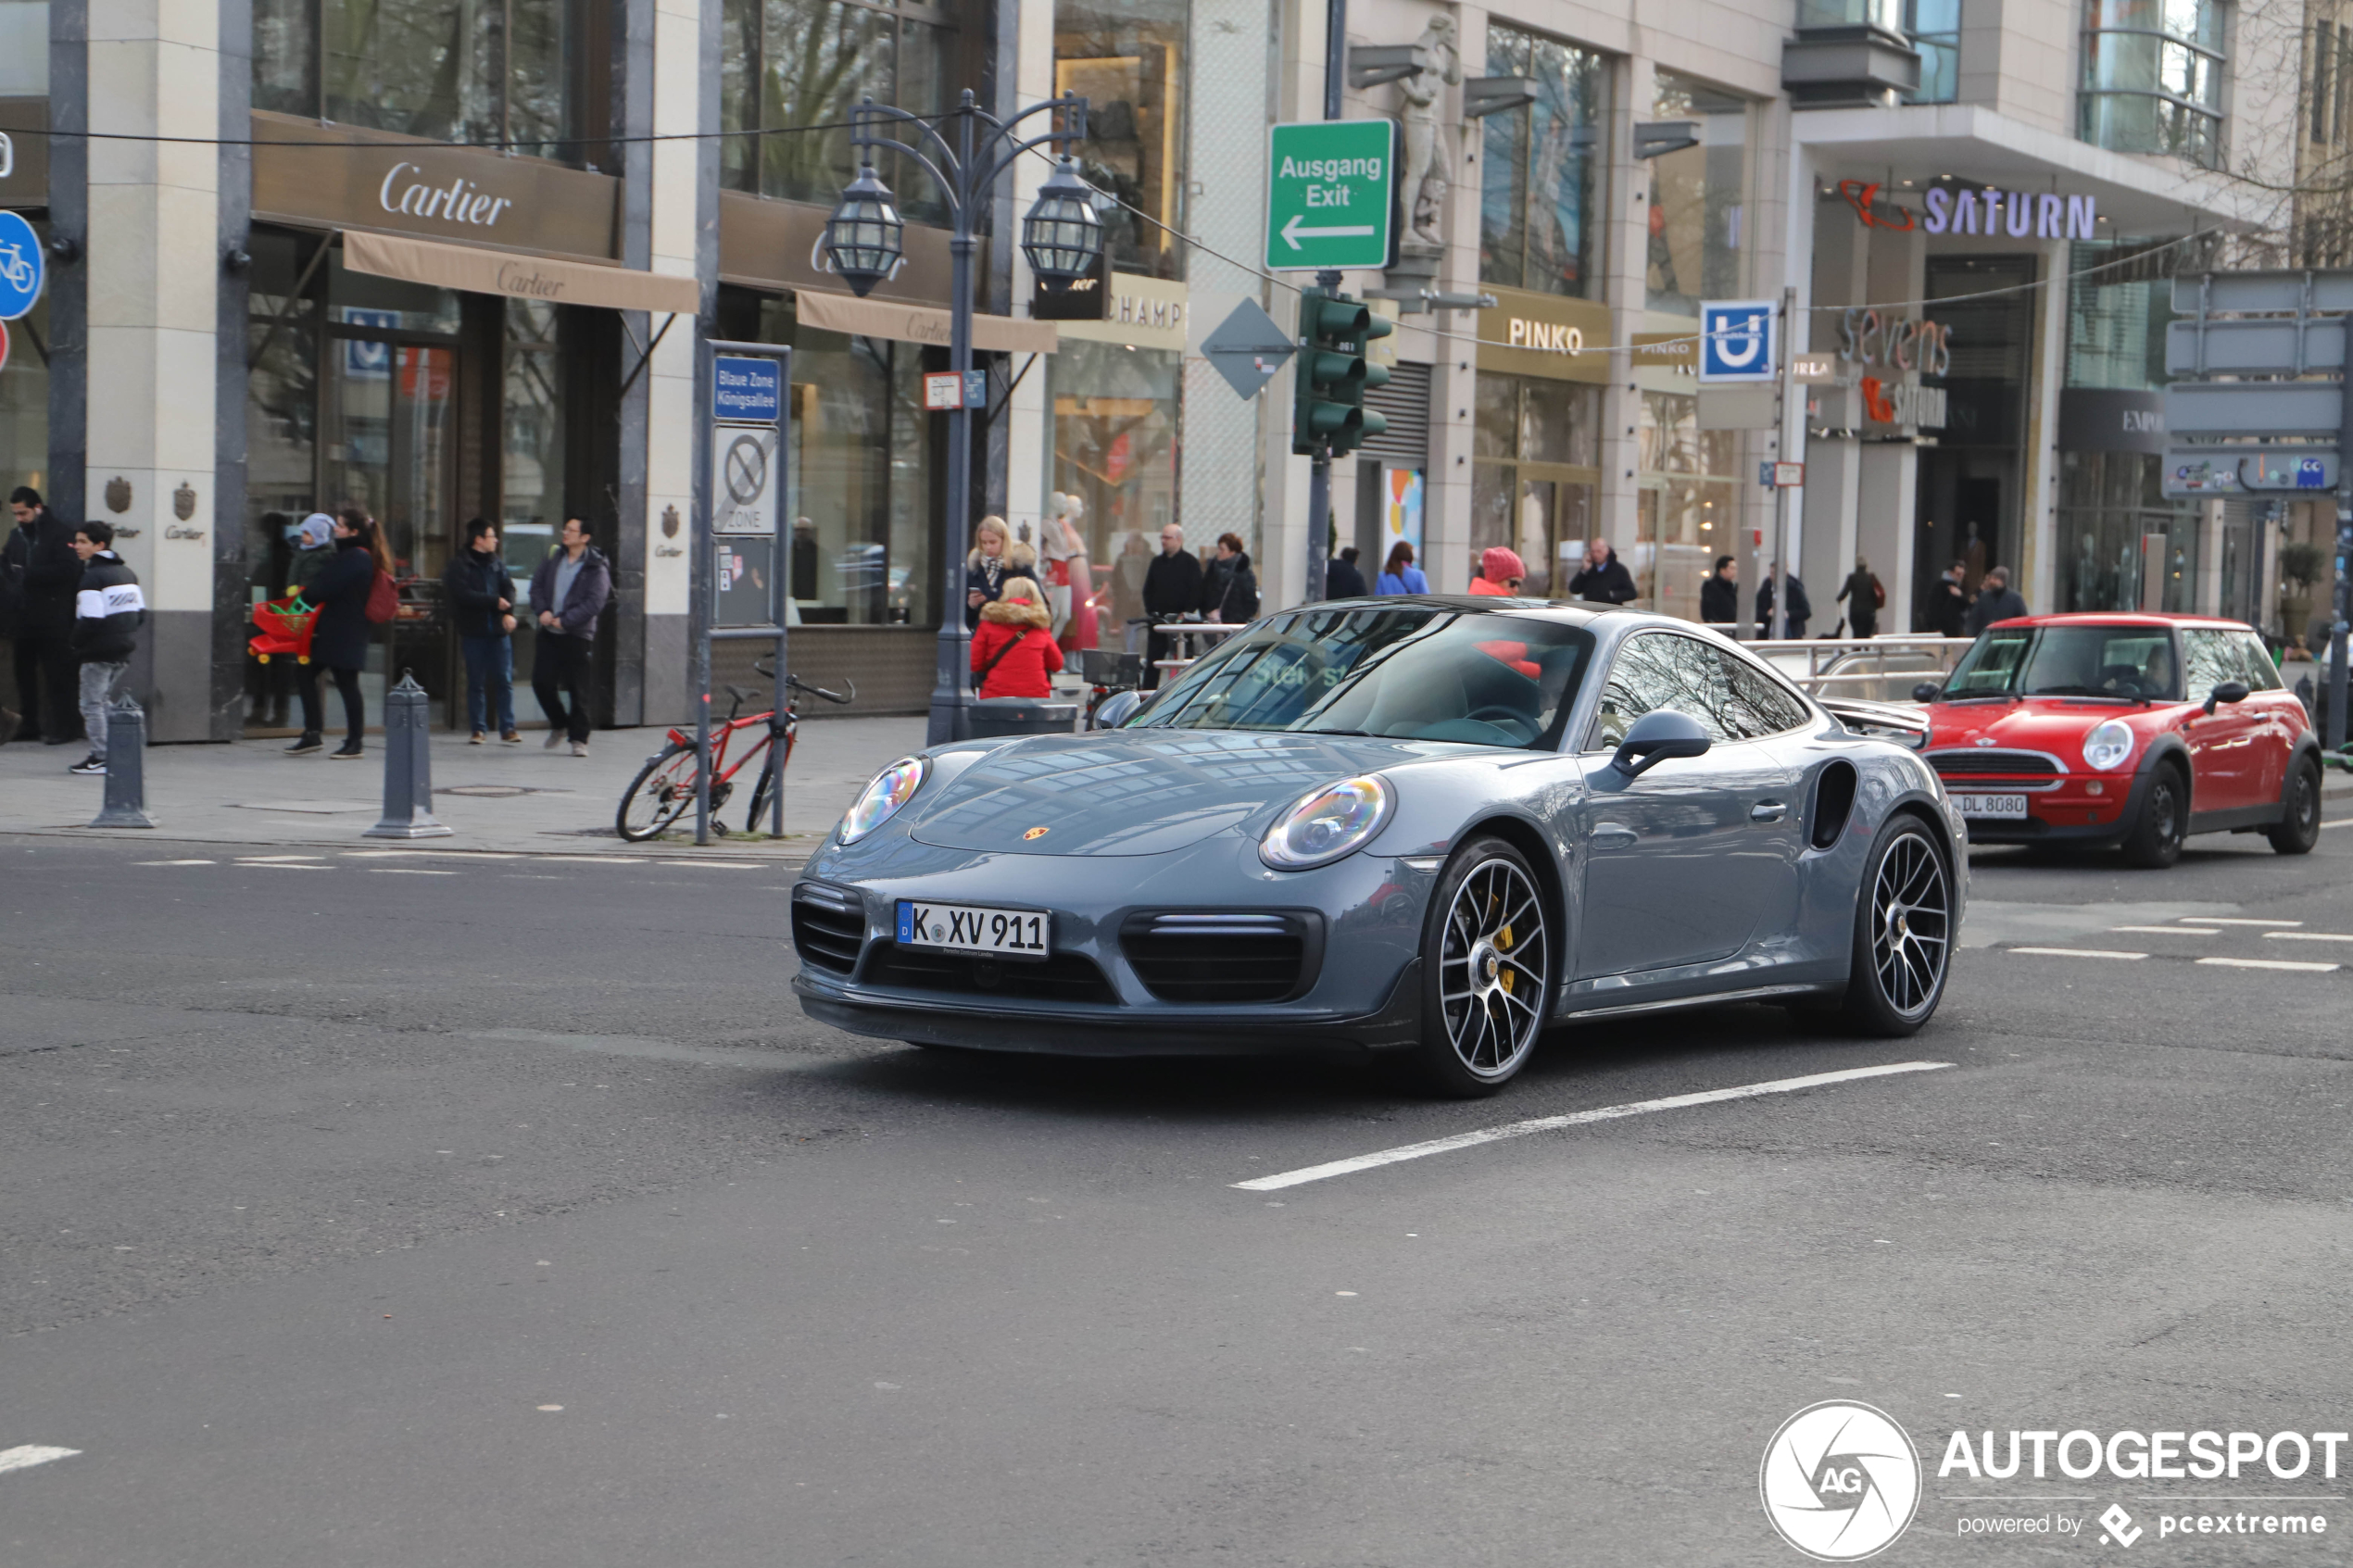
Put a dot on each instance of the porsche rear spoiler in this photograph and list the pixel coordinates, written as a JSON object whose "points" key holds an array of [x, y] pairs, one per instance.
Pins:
{"points": [[1904, 724]]}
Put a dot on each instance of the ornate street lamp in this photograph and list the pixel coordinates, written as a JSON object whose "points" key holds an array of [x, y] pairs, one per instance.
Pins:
{"points": [[863, 239], [1063, 236]]}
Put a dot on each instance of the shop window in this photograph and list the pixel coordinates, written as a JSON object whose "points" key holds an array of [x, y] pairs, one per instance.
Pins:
{"points": [[1687, 506], [1115, 442], [2119, 537], [2153, 78], [1934, 28], [522, 74], [1128, 58], [789, 66], [531, 481], [24, 48], [1698, 206], [1534, 447], [1540, 213], [2118, 307]]}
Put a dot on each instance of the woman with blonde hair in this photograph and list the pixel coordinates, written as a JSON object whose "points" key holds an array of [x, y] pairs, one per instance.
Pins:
{"points": [[996, 555], [1014, 651]]}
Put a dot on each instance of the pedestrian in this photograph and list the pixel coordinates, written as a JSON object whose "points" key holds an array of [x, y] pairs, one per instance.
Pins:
{"points": [[1801, 609], [1342, 580], [1948, 602], [1399, 574], [1868, 596], [568, 593], [108, 610], [38, 579], [1997, 600], [1719, 596], [1171, 589], [1500, 572], [1604, 580], [482, 591], [1014, 651], [340, 637], [1228, 588], [996, 555], [271, 575], [314, 539]]}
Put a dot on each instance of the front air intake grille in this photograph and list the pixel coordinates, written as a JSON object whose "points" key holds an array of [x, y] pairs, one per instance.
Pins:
{"points": [[1991, 764], [1207, 957], [1062, 977], [828, 927]]}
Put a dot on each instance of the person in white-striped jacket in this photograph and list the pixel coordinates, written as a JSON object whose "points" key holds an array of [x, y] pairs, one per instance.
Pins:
{"points": [[108, 610]]}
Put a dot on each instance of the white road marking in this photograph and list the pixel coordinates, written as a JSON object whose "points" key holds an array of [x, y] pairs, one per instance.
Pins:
{"points": [[2170, 930], [723, 865], [2340, 823], [2309, 935], [282, 865], [275, 859], [24, 1456], [2297, 965], [2226, 919], [175, 863], [2077, 953], [1573, 1119], [406, 870]]}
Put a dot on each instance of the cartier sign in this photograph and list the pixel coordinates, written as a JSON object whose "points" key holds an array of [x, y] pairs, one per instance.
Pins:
{"points": [[461, 201]]}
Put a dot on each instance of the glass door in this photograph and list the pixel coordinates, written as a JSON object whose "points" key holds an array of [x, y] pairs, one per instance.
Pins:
{"points": [[387, 444]]}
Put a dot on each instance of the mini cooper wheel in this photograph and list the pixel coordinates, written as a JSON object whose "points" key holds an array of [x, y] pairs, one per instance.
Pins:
{"points": [[2299, 825], [1902, 931], [2155, 842], [1487, 971]]}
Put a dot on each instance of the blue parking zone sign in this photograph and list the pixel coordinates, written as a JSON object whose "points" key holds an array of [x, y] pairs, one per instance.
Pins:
{"points": [[747, 390], [1737, 340]]}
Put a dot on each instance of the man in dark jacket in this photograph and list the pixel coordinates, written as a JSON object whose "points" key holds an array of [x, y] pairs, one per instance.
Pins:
{"points": [[482, 592], [1341, 580], [1604, 580], [1948, 602], [108, 610], [1172, 588], [1997, 600], [38, 578], [568, 593], [1719, 596], [1801, 609]]}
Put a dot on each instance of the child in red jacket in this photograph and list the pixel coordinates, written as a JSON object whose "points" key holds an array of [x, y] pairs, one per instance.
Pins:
{"points": [[1014, 648]]}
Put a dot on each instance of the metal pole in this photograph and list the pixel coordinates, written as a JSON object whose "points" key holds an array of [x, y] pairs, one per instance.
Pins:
{"points": [[1319, 470], [2342, 598], [1779, 628], [126, 796], [780, 587], [950, 717], [698, 608], [1335, 56]]}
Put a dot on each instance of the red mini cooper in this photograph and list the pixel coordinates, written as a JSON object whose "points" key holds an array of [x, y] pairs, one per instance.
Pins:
{"points": [[2130, 731]]}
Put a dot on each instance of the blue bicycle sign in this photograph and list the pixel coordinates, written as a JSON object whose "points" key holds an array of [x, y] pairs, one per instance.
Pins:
{"points": [[22, 267]]}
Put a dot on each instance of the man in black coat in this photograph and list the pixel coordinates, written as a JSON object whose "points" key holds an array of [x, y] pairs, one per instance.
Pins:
{"points": [[1604, 580], [1341, 580], [1801, 609], [568, 593], [1997, 600], [1172, 588], [1948, 602], [1719, 596], [39, 573]]}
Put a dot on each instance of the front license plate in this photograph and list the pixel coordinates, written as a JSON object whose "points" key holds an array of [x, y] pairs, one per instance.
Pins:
{"points": [[2012, 807], [966, 928]]}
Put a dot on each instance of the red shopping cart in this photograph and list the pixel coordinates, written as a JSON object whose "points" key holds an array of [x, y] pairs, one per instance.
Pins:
{"points": [[284, 627]]}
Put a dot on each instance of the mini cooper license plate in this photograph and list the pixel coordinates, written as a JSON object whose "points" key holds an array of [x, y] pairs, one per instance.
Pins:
{"points": [[2011, 807], [965, 928]]}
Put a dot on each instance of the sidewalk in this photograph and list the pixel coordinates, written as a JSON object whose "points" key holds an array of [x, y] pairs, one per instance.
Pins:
{"points": [[494, 798]]}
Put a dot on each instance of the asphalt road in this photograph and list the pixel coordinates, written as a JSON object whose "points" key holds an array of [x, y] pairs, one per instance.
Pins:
{"points": [[410, 1209]]}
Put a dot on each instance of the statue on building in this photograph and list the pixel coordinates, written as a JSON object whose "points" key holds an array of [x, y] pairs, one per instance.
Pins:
{"points": [[1426, 158]]}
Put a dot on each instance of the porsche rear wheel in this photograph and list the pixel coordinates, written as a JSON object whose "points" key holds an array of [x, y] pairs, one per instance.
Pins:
{"points": [[2299, 827], [1902, 931], [1487, 971]]}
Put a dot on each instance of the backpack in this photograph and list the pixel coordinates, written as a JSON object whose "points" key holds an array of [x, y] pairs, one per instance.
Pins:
{"points": [[383, 599]]}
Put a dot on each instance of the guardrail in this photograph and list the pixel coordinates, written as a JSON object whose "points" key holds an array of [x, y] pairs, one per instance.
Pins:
{"points": [[1851, 661]]}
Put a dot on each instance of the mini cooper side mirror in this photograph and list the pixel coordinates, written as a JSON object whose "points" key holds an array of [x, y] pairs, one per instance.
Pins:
{"points": [[1655, 737], [1926, 691], [2226, 691]]}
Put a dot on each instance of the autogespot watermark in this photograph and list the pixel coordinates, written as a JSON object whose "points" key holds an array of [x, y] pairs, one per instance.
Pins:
{"points": [[1841, 1482]]}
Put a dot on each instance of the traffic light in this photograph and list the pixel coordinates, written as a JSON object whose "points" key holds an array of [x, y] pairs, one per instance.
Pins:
{"points": [[1327, 408]]}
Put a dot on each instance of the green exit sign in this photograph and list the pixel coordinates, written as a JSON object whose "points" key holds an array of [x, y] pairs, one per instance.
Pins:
{"points": [[1329, 185]]}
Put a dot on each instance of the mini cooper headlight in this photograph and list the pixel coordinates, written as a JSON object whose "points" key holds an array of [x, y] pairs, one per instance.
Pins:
{"points": [[2109, 745], [892, 788], [1336, 821]]}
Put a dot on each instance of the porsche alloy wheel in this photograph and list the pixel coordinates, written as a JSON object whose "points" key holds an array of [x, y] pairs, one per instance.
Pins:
{"points": [[1902, 931], [1489, 970]]}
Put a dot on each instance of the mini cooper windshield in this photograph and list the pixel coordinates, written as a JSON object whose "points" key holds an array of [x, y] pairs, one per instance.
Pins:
{"points": [[2120, 663], [1408, 674]]}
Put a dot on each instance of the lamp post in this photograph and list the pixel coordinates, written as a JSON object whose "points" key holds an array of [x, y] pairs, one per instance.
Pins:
{"points": [[1061, 236]]}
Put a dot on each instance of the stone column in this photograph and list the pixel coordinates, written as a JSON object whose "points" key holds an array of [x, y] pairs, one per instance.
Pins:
{"points": [[2036, 573], [1625, 261], [1454, 381]]}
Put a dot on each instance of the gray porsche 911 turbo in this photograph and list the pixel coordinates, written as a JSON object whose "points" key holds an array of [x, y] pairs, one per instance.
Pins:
{"points": [[1424, 827]]}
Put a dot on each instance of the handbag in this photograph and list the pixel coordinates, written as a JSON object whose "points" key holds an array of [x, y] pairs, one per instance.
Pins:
{"points": [[981, 679], [1879, 594], [383, 599]]}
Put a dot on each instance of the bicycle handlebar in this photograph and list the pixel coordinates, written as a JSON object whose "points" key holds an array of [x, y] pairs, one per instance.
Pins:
{"points": [[794, 682]]}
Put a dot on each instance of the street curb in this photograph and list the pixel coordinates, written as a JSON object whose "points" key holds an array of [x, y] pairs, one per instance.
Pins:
{"points": [[786, 860]]}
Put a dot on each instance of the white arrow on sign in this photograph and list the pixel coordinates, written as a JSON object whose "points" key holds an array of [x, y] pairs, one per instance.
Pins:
{"points": [[1293, 234]]}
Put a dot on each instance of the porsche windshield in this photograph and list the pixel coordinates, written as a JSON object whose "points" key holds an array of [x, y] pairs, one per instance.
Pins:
{"points": [[1408, 674], [2120, 663]]}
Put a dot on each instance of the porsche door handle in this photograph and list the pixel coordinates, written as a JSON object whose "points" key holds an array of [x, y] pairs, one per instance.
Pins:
{"points": [[1613, 835], [1767, 811]]}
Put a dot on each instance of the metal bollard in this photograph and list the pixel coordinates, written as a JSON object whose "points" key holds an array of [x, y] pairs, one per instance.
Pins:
{"points": [[126, 803], [408, 766]]}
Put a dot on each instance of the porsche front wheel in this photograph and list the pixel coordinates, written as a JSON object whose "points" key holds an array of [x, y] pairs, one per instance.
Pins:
{"points": [[1903, 931], [1487, 971]]}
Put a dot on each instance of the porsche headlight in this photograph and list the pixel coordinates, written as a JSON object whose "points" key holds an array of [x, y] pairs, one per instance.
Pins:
{"points": [[892, 788], [1336, 821], [2109, 745]]}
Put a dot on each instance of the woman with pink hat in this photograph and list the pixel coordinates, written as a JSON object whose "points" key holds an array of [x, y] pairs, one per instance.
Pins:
{"points": [[1500, 573]]}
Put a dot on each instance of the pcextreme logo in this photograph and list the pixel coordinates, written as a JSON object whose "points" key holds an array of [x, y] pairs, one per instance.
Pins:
{"points": [[1839, 1481]]}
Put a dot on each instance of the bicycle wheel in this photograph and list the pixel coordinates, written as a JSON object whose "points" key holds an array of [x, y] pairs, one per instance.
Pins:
{"points": [[663, 792], [759, 812]]}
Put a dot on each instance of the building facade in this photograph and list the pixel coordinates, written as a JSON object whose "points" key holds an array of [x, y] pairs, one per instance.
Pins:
{"points": [[448, 260]]}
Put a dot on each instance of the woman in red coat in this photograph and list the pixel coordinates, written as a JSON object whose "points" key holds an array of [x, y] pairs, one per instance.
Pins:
{"points": [[1015, 643]]}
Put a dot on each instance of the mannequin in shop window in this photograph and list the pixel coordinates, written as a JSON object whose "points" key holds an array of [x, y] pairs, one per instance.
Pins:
{"points": [[1070, 574]]}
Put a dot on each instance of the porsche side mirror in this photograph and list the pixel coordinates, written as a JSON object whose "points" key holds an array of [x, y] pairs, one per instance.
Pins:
{"points": [[2226, 691], [1117, 709], [1655, 737], [1926, 691]]}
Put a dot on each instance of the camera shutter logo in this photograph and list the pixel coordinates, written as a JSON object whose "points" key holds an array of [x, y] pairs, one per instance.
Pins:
{"points": [[1839, 1481]]}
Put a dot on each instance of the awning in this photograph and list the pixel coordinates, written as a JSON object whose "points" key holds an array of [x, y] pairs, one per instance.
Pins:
{"points": [[517, 277], [918, 323]]}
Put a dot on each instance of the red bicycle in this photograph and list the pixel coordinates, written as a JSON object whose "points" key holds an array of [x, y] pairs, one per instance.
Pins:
{"points": [[664, 788]]}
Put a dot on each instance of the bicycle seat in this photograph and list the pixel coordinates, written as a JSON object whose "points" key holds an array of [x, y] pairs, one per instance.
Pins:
{"points": [[739, 694]]}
